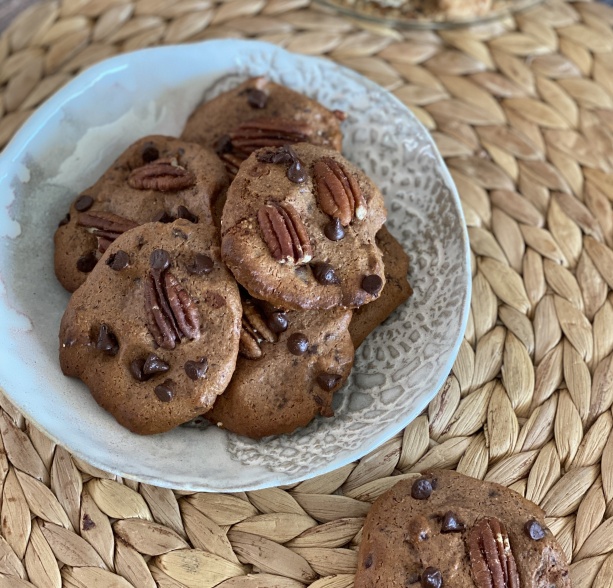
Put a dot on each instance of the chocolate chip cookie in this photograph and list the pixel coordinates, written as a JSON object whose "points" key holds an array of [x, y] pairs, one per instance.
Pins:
{"points": [[156, 179], [397, 289], [154, 331], [446, 529], [260, 113], [289, 366], [299, 226]]}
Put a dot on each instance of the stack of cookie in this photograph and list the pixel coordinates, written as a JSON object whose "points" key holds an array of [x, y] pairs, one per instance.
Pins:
{"points": [[230, 273]]}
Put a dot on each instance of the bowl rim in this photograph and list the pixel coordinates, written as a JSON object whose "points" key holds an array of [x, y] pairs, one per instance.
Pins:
{"points": [[78, 85]]}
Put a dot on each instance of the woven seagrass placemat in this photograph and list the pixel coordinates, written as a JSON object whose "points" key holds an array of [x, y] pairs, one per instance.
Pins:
{"points": [[522, 110]]}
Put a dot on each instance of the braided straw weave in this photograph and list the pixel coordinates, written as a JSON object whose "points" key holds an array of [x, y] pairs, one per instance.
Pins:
{"points": [[522, 112]]}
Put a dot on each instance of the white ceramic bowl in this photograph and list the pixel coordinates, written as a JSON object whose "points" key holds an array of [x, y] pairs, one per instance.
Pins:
{"points": [[75, 135]]}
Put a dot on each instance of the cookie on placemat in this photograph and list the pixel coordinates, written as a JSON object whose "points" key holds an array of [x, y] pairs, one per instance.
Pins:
{"points": [[154, 331], [396, 291], [446, 529], [260, 113], [289, 366], [299, 226], [156, 179]]}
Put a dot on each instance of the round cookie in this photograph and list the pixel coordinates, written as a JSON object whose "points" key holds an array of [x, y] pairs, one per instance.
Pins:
{"points": [[261, 113], [446, 529], [396, 291], [154, 331], [299, 226], [283, 379], [156, 179]]}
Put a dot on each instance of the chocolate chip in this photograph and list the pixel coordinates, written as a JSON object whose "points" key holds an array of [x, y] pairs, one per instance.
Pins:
{"points": [[162, 217], [451, 524], [159, 259], [118, 261], [184, 213], [223, 145], [324, 273], [107, 341], [372, 284], [296, 173], [431, 578], [340, 114], [196, 370], [534, 530], [283, 154], [297, 344], [201, 265], [368, 561], [334, 230], [88, 524], [421, 489], [164, 391], [83, 203], [256, 98], [136, 369], [328, 381], [154, 365], [150, 153], [64, 221], [86, 263], [179, 234], [277, 322]]}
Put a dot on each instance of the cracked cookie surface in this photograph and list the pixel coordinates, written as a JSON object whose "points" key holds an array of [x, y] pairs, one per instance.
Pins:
{"points": [[154, 332], [299, 226], [157, 178]]}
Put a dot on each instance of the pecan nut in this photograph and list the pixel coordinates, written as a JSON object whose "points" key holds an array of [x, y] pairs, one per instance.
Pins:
{"points": [[267, 132], [285, 234], [491, 559], [338, 192], [106, 226], [171, 312], [163, 175], [254, 331]]}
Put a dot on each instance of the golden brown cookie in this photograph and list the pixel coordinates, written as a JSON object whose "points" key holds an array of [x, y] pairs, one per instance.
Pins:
{"points": [[448, 530], [397, 289], [260, 113], [289, 366], [299, 226], [154, 331], [156, 179]]}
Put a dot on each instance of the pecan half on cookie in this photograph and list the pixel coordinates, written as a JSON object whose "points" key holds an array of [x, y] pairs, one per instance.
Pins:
{"points": [[260, 113], [444, 529], [275, 230], [154, 332], [156, 179], [290, 365]]}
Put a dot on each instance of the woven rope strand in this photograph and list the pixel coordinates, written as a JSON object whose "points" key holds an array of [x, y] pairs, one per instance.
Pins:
{"points": [[522, 110]]}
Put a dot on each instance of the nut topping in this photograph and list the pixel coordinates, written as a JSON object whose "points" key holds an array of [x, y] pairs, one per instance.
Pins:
{"points": [[106, 226], [163, 175], [171, 312], [254, 331], [338, 193], [285, 234], [267, 132], [491, 559]]}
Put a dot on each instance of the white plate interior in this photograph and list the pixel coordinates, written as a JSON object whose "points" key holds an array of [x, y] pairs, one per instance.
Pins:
{"points": [[75, 136]]}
